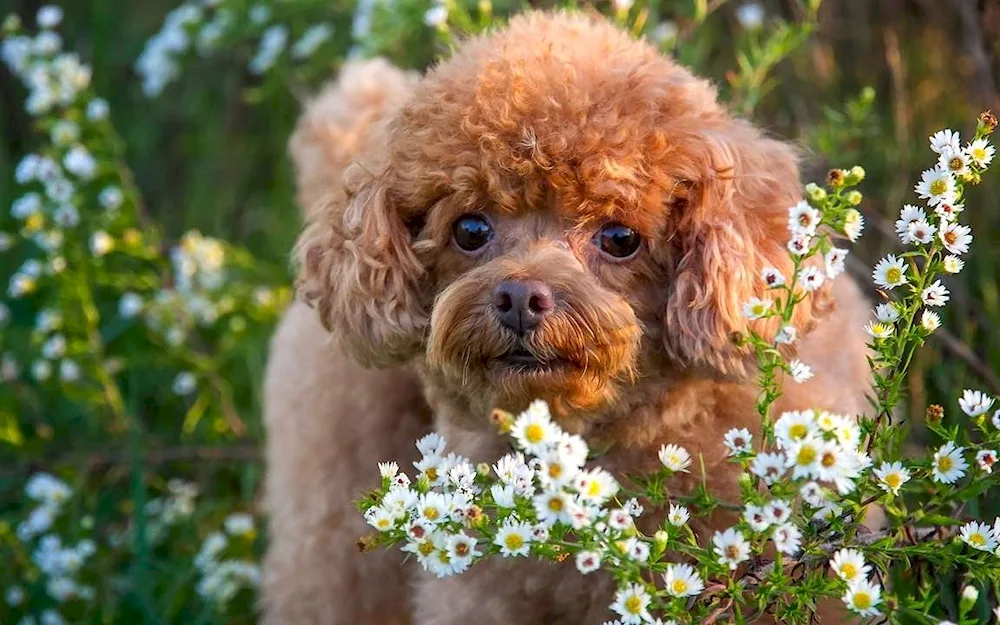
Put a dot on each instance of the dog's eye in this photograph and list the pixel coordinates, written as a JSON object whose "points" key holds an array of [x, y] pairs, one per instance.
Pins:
{"points": [[618, 241], [471, 232]]}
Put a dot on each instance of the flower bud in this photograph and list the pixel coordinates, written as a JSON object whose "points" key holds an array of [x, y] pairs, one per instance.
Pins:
{"points": [[483, 469], [835, 178], [502, 420], [367, 543], [857, 173], [987, 122], [853, 198], [660, 539], [934, 413], [815, 192], [970, 594]]}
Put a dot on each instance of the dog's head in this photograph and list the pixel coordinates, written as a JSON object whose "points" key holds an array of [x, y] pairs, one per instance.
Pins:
{"points": [[558, 211]]}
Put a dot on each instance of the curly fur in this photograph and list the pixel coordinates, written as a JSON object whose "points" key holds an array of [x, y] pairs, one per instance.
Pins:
{"points": [[550, 128]]}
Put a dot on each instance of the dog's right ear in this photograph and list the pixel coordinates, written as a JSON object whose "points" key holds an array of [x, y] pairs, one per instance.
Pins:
{"points": [[357, 267]]}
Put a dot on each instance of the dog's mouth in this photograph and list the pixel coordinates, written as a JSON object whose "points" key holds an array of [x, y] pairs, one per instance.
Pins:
{"points": [[523, 360]]}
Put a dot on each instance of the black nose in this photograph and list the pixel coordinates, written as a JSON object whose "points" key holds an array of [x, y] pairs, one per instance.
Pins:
{"points": [[521, 304]]}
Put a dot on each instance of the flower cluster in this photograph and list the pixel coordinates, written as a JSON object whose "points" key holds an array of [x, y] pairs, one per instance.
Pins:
{"points": [[223, 560], [807, 479], [204, 26]]}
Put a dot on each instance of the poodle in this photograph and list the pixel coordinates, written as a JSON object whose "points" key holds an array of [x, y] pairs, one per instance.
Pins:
{"points": [[557, 211]]}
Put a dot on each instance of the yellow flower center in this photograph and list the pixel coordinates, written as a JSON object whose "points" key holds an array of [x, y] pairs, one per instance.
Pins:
{"points": [[462, 549], [555, 504], [633, 605], [893, 274], [938, 187], [956, 164], [979, 154], [894, 480], [513, 542], [798, 431], [862, 600], [848, 571], [806, 455], [950, 237], [828, 459], [431, 513], [534, 433], [593, 490], [384, 524], [431, 473], [555, 470], [679, 586], [945, 464], [977, 540], [426, 548]]}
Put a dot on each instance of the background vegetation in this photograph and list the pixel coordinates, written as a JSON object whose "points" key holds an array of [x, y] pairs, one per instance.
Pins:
{"points": [[854, 82]]}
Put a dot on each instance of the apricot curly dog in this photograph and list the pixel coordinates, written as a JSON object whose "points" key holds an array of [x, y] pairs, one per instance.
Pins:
{"points": [[556, 212]]}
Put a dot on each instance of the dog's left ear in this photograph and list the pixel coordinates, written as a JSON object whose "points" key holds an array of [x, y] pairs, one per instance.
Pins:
{"points": [[734, 225]]}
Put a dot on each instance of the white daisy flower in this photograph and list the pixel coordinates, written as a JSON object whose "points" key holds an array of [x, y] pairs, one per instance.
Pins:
{"points": [[949, 465], [920, 232], [738, 441], [944, 140], [553, 507], [756, 518], [768, 466], [954, 161], [890, 272], [930, 321], [380, 518], [731, 547], [675, 458], [955, 237], [787, 539], [886, 313], [619, 519], [786, 335], [909, 215], [632, 603], [462, 551], [800, 371], [975, 403], [862, 597], [49, 16], [756, 308], [388, 470], [810, 278], [952, 264], [596, 485], [849, 565], [803, 219], [514, 538], [812, 493], [682, 580], [979, 536], [892, 476], [772, 277], [936, 187], [833, 262], [635, 549], [432, 508], [432, 444], [573, 449], [980, 152], [503, 495], [794, 426], [948, 211], [633, 508], [588, 561], [986, 458], [101, 243], [935, 295], [854, 224], [554, 470], [777, 511], [799, 244], [534, 430], [878, 330], [678, 515], [996, 419]]}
